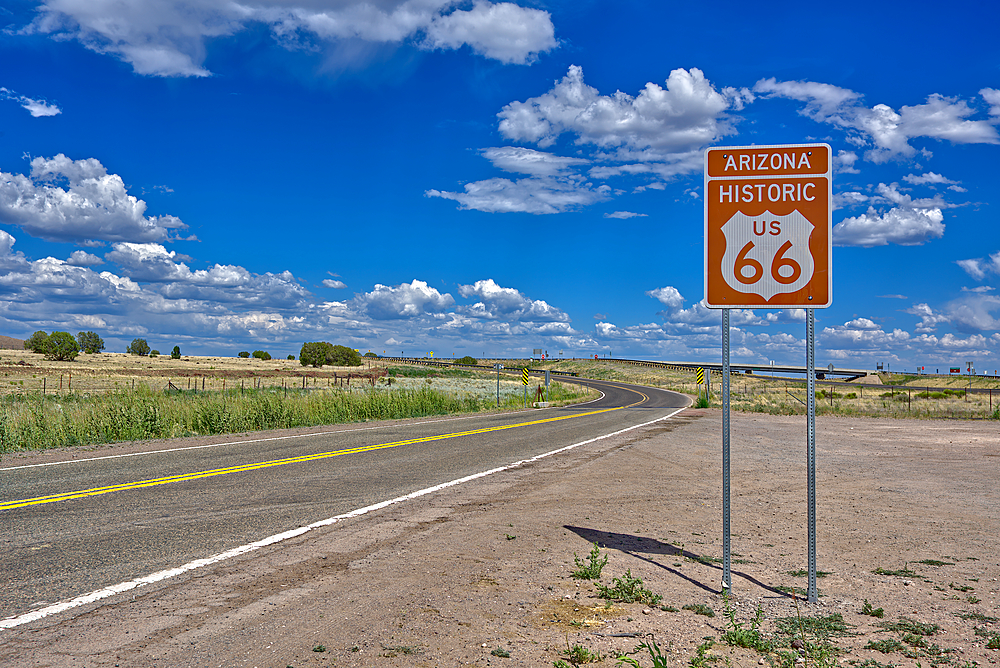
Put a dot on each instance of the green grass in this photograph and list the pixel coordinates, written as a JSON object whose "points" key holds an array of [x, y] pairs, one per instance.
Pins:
{"points": [[578, 655], [428, 372], [885, 645], [823, 627], [591, 569], [702, 657], [406, 650], [38, 422], [500, 652], [628, 589], [699, 609], [747, 636], [870, 663], [903, 572], [871, 611], [660, 660], [906, 625]]}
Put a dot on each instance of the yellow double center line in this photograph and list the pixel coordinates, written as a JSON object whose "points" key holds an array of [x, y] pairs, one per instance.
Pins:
{"points": [[97, 491]]}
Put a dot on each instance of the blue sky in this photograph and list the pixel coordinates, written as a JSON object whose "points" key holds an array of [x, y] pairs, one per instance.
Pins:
{"points": [[487, 177]]}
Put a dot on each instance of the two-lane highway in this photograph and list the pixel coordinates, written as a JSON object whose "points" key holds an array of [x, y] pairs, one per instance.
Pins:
{"points": [[76, 526]]}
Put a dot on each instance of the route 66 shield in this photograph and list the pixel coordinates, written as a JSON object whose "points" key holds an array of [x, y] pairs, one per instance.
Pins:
{"points": [[767, 226], [767, 254]]}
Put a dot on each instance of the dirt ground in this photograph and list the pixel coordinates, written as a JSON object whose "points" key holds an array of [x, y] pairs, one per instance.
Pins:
{"points": [[482, 570]]}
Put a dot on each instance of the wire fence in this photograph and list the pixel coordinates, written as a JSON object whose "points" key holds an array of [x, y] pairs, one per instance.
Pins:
{"points": [[89, 383]]}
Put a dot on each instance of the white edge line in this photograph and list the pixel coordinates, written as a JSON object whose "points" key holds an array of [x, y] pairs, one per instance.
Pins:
{"points": [[158, 576]]}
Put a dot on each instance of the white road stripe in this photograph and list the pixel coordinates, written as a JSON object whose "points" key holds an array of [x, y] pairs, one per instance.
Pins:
{"points": [[99, 594]]}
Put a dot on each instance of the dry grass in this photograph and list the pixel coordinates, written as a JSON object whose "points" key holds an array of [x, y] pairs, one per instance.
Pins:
{"points": [[778, 396], [23, 372]]}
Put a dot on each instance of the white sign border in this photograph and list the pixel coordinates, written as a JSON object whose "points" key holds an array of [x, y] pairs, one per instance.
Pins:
{"points": [[829, 220]]}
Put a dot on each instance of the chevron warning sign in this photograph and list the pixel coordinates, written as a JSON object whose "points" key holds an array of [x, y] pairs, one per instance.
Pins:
{"points": [[524, 376]]}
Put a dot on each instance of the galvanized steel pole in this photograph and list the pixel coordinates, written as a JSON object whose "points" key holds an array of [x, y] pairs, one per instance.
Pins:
{"points": [[812, 593], [726, 573]]}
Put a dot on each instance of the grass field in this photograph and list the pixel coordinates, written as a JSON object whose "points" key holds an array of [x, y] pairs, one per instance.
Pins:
{"points": [[109, 398], [115, 397], [899, 396]]}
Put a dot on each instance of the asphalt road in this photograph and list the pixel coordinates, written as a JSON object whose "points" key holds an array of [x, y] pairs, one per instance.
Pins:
{"points": [[63, 535]]}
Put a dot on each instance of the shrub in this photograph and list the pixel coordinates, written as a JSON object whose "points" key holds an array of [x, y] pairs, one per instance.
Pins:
{"points": [[154, 353], [262, 355], [61, 346], [344, 356], [369, 354], [244, 354], [90, 342], [291, 357], [175, 353], [467, 360], [138, 347], [319, 353], [36, 342]]}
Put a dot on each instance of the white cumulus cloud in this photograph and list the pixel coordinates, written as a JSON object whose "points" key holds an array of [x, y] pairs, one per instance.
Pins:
{"points": [[686, 114], [169, 38], [502, 31], [522, 160], [544, 195], [497, 302], [407, 300], [77, 201], [37, 108], [888, 132], [906, 227]]}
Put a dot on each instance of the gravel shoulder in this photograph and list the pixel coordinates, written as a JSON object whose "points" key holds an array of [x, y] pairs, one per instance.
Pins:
{"points": [[450, 578]]}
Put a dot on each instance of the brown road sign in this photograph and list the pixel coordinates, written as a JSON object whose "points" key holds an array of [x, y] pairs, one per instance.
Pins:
{"points": [[767, 226]]}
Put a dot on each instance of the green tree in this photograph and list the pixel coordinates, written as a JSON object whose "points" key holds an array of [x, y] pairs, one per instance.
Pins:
{"points": [[316, 353], [262, 354], [61, 346], [175, 353], [154, 353], [468, 359], [369, 354], [244, 354], [36, 342], [90, 342], [319, 353], [344, 356], [291, 357], [138, 347]]}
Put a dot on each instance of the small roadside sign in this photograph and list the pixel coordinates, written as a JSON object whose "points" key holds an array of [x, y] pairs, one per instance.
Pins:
{"points": [[524, 376], [768, 226], [701, 375]]}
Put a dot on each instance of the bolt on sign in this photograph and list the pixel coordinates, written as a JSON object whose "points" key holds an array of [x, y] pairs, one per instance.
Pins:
{"points": [[767, 226]]}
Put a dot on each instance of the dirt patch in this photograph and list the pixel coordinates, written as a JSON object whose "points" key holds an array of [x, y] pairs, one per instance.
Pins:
{"points": [[908, 520]]}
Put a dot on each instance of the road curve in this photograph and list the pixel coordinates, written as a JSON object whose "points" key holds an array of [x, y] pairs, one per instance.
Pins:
{"points": [[76, 525]]}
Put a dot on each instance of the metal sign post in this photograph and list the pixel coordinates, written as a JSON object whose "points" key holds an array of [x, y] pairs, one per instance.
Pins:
{"points": [[726, 573], [498, 366], [768, 245], [811, 592]]}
